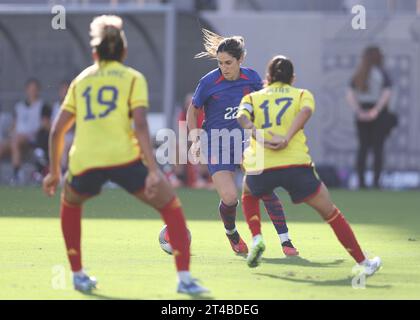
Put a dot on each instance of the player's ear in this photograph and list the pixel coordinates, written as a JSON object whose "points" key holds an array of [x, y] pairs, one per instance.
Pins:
{"points": [[293, 79], [242, 58]]}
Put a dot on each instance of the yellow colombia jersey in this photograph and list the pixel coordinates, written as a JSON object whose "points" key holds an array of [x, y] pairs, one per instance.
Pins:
{"points": [[102, 97], [274, 108]]}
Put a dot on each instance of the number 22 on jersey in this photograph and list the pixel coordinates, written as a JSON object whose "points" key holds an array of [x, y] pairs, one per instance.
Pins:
{"points": [[231, 113]]}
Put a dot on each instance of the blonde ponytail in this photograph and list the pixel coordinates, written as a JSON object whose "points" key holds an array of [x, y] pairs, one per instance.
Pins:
{"points": [[108, 38], [211, 43]]}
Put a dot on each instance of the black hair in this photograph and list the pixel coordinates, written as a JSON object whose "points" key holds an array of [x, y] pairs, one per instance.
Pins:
{"points": [[280, 69], [108, 38], [112, 46]]}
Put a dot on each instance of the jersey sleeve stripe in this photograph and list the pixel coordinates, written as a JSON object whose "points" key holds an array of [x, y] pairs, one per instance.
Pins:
{"points": [[138, 103], [131, 91], [301, 94], [74, 93], [68, 108]]}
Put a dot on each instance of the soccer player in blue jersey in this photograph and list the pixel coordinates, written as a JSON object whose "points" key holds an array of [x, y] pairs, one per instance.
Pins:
{"points": [[220, 92]]}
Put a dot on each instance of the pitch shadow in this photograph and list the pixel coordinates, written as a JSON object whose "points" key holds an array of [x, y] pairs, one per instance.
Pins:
{"points": [[299, 261], [317, 282], [99, 296]]}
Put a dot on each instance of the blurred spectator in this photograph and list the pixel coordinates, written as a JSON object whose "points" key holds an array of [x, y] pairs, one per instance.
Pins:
{"points": [[41, 143], [29, 116], [6, 126], [62, 91], [368, 95]]}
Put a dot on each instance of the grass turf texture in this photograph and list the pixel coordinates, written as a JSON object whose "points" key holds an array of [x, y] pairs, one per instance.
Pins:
{"points": [[120, 247]]}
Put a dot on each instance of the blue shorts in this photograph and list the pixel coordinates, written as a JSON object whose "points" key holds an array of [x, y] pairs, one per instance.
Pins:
{"points": [[130, 176], [224, 157], [301, 182]]}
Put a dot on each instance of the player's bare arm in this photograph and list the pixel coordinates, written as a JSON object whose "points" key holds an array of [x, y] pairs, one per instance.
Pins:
{"points": [[143, 136], [65, 121], [279, 142], [270, 144], [192, 116], [299, 122]]}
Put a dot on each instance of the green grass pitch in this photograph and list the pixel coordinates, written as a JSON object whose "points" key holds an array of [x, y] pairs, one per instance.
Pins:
{"points": [[120, 247]]}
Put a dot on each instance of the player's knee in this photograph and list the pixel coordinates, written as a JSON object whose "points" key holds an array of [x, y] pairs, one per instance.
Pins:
{"points": [[229, 198], [71, 197]]}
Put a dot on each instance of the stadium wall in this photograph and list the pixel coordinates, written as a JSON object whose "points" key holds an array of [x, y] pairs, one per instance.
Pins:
{"points": [[326, 50]]}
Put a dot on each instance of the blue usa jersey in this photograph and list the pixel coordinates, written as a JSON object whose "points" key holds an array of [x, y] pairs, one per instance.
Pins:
{"points": [[221, 98]]}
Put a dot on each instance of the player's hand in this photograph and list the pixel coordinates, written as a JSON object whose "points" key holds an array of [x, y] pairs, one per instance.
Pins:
{"points": [[196, 151], [50, 183], [153, 180], [277, 142]]}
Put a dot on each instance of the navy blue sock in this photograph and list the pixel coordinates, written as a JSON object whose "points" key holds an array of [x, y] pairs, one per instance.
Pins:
{"points": [[228, 215], [275, 211]]}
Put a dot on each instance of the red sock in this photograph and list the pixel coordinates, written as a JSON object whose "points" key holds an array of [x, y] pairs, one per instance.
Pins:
{"points": [[345, 235], [71, 227], [251, 209], [177, 229]]}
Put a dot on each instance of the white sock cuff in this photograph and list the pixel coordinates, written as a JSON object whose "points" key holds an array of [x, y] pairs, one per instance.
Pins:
{"points": [[284, 237], [79, 273], [230, 232], [184, 276]]}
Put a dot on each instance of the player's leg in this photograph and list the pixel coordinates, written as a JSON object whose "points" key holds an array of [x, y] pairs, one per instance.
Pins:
{"points": [[251, 210], [224, 182], [76, 191], [322, 203], [275, 211], [132, 178]]}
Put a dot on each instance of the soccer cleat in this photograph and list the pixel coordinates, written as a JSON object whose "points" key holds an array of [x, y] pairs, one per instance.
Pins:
{"points": [[254, 257], [191, 288], [84, 283], [371, 266], [288, 249], [240, 247]]}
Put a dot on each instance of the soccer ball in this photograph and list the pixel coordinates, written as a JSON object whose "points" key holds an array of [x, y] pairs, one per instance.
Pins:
{"points": [[164, 239]]}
